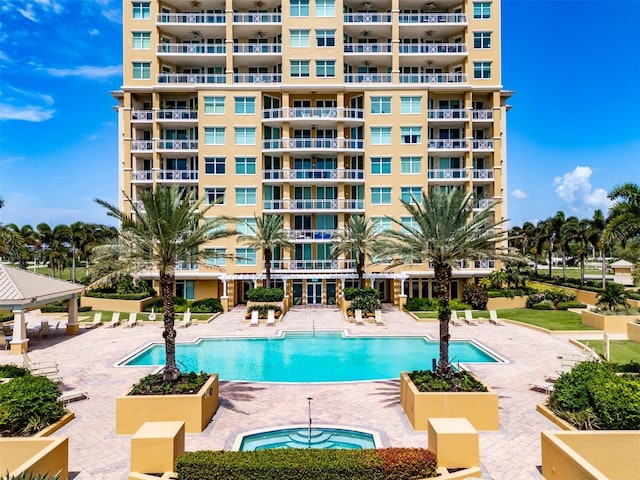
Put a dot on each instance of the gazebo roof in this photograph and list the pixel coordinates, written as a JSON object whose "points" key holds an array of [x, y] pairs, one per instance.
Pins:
{"points": [[622, 263], [23, 289]]}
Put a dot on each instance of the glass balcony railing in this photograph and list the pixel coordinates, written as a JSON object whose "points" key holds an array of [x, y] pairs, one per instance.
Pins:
{"points": [[257, 17], [338, 264], [367, 48], [313, 144], [142, 176], [141, 115], [482, 115], [189, 18], [448, 174], [447, 114], [142, 145], [436, 78], [482, 144], [483, 174], [192, 49], [448, 144], [257, 78], [318, 113], [177, 145], [432, 48], [257, 48], [367, 78], [178, 176], [191, 78], [313, 234], [177, 114], [431, 18], [314, 204], [367, 17], [314, 174]]}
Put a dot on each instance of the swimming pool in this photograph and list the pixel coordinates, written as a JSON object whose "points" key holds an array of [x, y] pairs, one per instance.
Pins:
{"points": [[303, 437], [306, 357]]}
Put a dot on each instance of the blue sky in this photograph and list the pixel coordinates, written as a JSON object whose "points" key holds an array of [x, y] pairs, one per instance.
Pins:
{"points": [[573, 131]]}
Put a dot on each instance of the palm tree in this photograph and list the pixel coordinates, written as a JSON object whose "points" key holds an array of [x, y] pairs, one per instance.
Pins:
{"points": [[597, 225], [77, 235], [624, 215], [356, 241], [267, 235], [578, 233], [445, 231], [164, 228], [613, 296]]}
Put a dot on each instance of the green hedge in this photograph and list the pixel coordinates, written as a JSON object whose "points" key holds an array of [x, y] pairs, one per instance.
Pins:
{"points": [[264, 294], [427, 381], [571, 304], [118, 296], [206, 305], [417, 304], [12, 371], [508, 292], [308, 464], [352, 292]]}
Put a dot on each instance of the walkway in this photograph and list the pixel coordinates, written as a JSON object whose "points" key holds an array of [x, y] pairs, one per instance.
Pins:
{"points": [[86, 363]]}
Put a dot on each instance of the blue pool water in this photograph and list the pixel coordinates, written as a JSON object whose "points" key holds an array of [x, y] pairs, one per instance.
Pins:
{"points": [[304, 438], [304, 357]]}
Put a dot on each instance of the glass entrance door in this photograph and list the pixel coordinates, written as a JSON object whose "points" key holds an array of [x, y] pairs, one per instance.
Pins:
{"points": [[314, 293]]}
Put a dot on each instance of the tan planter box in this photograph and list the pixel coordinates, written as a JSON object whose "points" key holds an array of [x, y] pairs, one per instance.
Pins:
{"points": [[633, 331], [454, 442], [480, 408], [115, 305], [35, 456], [609, 323], [586, 296], [195, 410], [502, 303], [155, 447]]}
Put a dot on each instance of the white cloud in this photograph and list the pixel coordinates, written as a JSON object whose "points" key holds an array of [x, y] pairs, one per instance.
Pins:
{"points": [[28, 13], [86, 71], [575, 188], [94, 31], [519, 194], [28, 113]]}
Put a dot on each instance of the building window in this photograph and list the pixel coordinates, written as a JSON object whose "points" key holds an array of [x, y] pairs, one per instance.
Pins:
{"points": [[299, 38], [410, 104], [410, 135], [141, 40], [246, 256], [481, 9], [245, 105], [410, 165], [380, 105], [214, 165], [481, 39], [186, 289], [300, 68], [246, 226], [245, 135], [380, 135], [411, 194], [214, 105], [215, 256], [325, 68], [481, 69], [214, 136], [325, 8], [409, 222], [245, 165], [325, 38], [380, 165], [141, 70], [141, 11], [245, 196], [380, 195], [380, 224], [299, 8], [214, 196]]}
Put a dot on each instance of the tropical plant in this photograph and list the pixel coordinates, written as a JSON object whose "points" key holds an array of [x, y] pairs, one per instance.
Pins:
{"points": [[445, 231], [612, 297], [164, 228], [624, 215], [267, 235], [597, 226], [356, 242]]}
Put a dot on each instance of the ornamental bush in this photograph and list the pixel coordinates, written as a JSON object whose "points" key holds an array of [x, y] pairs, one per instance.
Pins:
{"points": [[352, 292], [264, 294], [462, 381], [570, 304], [12, 371], [155, 384], [416, 304], [206, 305], [475, 296]]}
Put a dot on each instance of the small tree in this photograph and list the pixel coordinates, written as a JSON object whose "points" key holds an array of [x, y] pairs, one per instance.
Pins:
{"points": [[356, 242], [612, 297]]}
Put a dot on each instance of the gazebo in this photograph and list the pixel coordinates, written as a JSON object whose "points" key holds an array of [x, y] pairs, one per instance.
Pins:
{"points": [[21, 290]]}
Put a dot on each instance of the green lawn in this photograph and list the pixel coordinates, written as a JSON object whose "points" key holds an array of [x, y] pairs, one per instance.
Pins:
{"points": [[571, 272], [622, 351], [549, 319]]}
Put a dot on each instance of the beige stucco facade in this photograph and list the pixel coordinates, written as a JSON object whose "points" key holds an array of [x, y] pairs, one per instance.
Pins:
{"points": [[316, 111]]}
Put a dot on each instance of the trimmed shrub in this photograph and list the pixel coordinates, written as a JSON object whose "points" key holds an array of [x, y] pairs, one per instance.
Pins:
{"points": [[179, 305], [571, 304], [352, 292], [475, 296], [308, 464], [206, 305], [154, 384], [13, 371], [263, 311], [416, 304], [456, 304], [427, 381], [367, 303], [118, 296], [264, 294], [544, 305]]}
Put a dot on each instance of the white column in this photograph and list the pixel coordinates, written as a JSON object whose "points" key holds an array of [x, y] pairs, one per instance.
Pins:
{"points": [[73, 326], [20, 342], [224, 288]]}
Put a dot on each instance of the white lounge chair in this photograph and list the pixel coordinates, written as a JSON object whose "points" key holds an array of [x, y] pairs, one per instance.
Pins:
{"points": [[271, 317], [115, 319], [468, 318], [378, 317], [255, 321], [186, 320], [493, 318], [72, 396], [97, 320], [543, 387], [454, 320], [4, 340], [358, 317], [44, 367], [133, 320]]}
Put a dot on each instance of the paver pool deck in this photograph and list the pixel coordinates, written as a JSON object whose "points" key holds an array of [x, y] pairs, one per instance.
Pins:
{"points": [[96, 452]]}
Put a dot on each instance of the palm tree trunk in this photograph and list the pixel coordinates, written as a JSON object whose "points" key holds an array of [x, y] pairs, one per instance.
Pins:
{"points": [[171, 371], [581, 270], [550, 259], [360, 271], [442, 276], [604, 269], [564, 266], [73, 265], [267, 266]]}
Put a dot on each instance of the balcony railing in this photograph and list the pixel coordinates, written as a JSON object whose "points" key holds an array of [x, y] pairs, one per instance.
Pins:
{"points": [[177, 144], [257, 48], [257, 78], [433, 48], [367, 48], [482, 114], [448, 174], [484, 203], [483, 174], [257, 17], [178, 175], [484, 264], [177, 114], [433, 78], [313, 204], [141, 115], [483, 144], [447, 114], [314, 234], [314, 174], [319, 113], [192, 48], [431, 18], [367, 78], [142, 145], [192, 78], [186, 265], [449, 144], [313, 144], [142, 176], [338, 264], [191, 18], [367, 17]]}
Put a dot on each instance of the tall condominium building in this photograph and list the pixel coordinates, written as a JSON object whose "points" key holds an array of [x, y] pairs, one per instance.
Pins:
{"points": [[315, 110]]}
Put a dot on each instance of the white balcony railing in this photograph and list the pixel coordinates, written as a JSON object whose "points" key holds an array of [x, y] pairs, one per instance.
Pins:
{"points": [[447, 114], [192, 78], [483, 174], [192, 48], [431, 18], [191, 18], [177, 114], [257, 48], [142, 145], [482, 144], [318, 113], [177, 144], [187, 265], [338, 264], [448, 174], [367, 17], [313, 144], [316, 235], [314, 174], [484, 203], [367, 78], [484, 263], [178, 176], [142, 176], [433, 48], [482, 114], [314, 204], [141, 115], [433, 78], [449, 144], [257, 78], [367, 48], [257, 17]]}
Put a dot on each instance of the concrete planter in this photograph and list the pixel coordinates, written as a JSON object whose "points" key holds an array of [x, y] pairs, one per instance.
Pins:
{"points": [[480, 408], [609, 323], [633, 331], [34, 456], [115, 304], [502, 303], [195, 410]]}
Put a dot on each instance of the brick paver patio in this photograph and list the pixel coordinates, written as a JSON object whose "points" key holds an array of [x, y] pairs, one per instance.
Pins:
{"points": [[86, 363]]}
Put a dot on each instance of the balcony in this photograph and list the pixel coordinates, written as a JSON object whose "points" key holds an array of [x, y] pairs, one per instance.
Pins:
{"points": [[141, 176], [177, 117], [314, 116], [490, 264], [311, 265], [480, 175], [311, 145], [142, 146], [182, 266], [177, 145], [482, 116], [365, 52], [257, 18], [191, 78], [367, 18], [433, 78], [260, 78], [246, 24], [141, 116], [432, 19], [448, 175], [449, 52], [449, 115], [313, 205], [367, 78], [448, 145], [250, 54], [315, 235], [483, 204], [202, 50], [482, 145], [313, 176], [177, 176], [185, 24]]}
